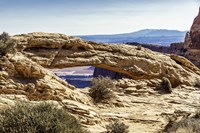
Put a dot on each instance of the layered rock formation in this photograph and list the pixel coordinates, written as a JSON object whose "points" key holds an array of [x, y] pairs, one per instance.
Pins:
{"points": [[140, 101], [175, 48], [20, 75], [192, 42], [60, 51], [157, 48]]}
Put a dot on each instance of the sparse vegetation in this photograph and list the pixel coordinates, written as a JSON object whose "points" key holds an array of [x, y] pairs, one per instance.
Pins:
{"points": [[166, 85], [4, 37], [139, 47], [6, 45], [197, 83], [117, 127], [187, 125], [101, 89], [41, 118], [197, 115]]}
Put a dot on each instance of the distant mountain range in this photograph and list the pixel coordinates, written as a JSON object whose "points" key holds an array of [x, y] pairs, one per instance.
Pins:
{"points": [[152, 36]]}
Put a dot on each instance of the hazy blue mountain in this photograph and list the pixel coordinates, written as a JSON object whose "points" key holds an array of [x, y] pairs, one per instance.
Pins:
{"points": [[152, 36]]}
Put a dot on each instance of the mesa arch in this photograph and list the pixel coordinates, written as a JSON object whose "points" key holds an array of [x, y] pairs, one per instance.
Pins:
{"points": [[61, 51]]}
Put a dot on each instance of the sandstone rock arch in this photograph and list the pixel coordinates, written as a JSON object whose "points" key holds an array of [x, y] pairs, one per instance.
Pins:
{"points": [[61, 51]]}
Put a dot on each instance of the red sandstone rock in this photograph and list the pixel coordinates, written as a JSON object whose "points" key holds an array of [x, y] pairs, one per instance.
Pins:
{"points": [[195, 33]]}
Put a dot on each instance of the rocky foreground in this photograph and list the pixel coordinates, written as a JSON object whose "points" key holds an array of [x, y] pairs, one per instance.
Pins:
{"points": [[140, 101]]}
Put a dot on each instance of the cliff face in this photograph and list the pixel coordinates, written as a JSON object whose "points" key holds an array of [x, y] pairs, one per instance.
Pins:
{"points": [[22, 76], [192, 42], [194, 34]]}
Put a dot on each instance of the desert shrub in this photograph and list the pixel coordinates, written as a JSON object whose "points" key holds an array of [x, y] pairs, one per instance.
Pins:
{"points": [[4, 37], [186, 125], [139, 47], [197, 115], [41, 118], [6, 44], [166, 85], [189, 125], [117, 127], [197, 83], [101, 89]]}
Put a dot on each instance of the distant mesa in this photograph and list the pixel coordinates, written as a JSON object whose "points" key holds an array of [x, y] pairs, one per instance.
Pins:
{"points": [[152, 36], [189, 47]]}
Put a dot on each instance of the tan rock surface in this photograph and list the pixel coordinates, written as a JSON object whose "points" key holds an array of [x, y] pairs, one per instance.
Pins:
{"points": [[61, 51], [140, 102], [20, 75], [145, 110]]}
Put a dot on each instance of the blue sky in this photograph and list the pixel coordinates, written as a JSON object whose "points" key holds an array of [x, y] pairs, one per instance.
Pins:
{"points": [[81, 17]]}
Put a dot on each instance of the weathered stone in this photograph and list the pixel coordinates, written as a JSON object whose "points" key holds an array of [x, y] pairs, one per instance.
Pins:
{"points": [[139, 103], [192, 42], [61, 51], [195, 33], [29, 78]]}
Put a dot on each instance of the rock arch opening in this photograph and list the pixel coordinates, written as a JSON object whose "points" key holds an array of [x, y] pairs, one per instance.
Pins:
{"points": [[81, 77]]}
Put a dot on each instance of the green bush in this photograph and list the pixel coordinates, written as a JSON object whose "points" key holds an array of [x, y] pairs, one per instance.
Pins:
{"points": [[117, 127], [101, 89], [41, 118], [4, 37], [166, 85], [6, 44]]}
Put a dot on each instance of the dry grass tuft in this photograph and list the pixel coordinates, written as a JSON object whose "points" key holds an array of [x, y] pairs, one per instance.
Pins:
{"points": [[101, 89], [117, 127]]}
